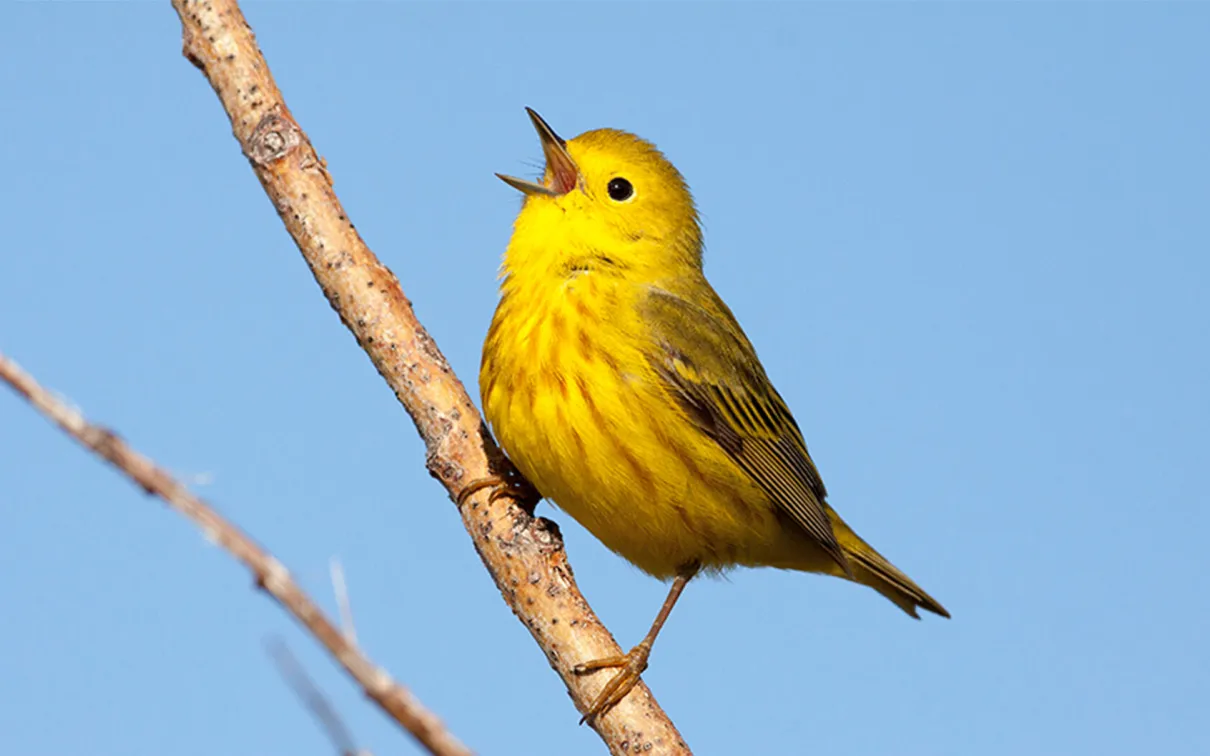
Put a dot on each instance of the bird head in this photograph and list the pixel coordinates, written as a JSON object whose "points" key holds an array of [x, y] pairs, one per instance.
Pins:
{"points": [[612, 192]]}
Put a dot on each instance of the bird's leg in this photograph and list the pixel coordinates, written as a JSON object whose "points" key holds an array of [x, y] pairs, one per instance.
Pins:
{"points": [[633, 663], [514, 486]]}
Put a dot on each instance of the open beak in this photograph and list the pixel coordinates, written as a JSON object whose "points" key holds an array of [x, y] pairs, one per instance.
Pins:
{"points": [[561, 173]]}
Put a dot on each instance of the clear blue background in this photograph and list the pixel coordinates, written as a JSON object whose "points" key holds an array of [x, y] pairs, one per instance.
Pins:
{"points": [[970, 243]]}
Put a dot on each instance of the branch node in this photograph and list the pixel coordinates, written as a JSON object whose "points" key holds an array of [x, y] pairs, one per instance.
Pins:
{"points": [[274, 137], [274, 576], [190, 53]]}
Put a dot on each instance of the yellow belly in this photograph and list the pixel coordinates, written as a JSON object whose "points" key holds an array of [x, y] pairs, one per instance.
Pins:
{"points": [[572, 400]]}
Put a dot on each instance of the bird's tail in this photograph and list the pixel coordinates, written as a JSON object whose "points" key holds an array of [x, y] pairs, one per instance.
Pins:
{"points": [[872, 569]]}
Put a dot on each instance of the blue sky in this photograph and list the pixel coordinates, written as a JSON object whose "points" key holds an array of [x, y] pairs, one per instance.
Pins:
{"points": [[969, 241]]}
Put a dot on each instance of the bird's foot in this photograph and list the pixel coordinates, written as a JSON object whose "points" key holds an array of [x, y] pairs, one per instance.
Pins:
{"points": [[632, 666], [513, 486]]}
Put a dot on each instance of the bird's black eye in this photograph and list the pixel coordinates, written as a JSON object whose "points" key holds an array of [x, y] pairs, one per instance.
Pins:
{"points": [[620, 189]]}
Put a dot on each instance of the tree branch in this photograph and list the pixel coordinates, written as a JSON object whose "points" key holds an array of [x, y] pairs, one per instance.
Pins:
{"points": [[523, 554], [270, 574]]}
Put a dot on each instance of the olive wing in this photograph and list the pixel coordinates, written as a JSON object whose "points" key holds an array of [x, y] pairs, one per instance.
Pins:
{"points": [[710, 367]]}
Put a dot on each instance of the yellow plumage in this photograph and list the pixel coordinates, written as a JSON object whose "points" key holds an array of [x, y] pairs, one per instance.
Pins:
{"points": [[623, 388]]}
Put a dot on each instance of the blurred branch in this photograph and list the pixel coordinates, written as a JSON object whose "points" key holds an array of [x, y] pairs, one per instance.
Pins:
{"points": [[313, 699], [270, 574], [524, 554]]}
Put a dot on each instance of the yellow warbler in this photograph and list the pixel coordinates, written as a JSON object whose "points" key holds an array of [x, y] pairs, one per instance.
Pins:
{"points": [[623, 388]]}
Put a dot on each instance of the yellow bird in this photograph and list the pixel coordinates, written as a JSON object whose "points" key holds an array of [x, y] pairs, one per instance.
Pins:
{"points": [[623, 388]]}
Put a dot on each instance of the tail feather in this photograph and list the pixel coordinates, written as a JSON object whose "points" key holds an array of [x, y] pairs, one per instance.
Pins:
{"points": [[872, 569]]}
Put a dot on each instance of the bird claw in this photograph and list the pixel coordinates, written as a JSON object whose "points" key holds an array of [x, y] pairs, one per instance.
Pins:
{"points": [[632, 665], [512, 486]]}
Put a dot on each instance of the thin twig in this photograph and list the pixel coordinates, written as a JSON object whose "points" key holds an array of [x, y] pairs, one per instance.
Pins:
{"points": [[270, 574], [317, 704], [524, 554], [341, 589]]}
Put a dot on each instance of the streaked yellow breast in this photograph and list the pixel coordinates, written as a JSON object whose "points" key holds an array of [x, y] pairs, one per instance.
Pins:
{"points": [[572, 399]]}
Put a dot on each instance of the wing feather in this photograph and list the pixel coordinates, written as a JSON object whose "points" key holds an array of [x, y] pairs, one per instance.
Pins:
{"points": [[712, 370]]}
